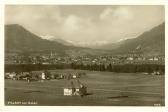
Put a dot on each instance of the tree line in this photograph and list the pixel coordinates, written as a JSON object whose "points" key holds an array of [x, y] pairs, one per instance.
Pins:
{"points": [[124, 68]]}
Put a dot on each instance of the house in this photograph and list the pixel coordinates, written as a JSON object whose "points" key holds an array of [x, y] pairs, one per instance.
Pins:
{"points": [[75, 75], [75, 87], [43, 76], [23, 76], [153, 59], [156, 73], [156, 59], [7, 75], [69, 89], [130, 58], [12, 75]]}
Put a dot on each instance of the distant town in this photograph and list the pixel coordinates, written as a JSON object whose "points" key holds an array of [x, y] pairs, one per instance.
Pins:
{"points": [[85, 60]]}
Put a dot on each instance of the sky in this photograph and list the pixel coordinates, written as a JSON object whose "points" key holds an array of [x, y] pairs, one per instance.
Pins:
{"points": [[86, 23]]}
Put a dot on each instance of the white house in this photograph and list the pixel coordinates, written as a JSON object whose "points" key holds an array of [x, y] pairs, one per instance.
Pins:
{"points": [[43, 76], [74, 76], [75, 88], [68, 91], [12, 75], [155, 59], [130, 58]]}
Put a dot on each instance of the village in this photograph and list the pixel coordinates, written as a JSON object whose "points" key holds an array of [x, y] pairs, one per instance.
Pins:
{"points": [[78, 87], [72, 87], [51, 68], [107, 59]]}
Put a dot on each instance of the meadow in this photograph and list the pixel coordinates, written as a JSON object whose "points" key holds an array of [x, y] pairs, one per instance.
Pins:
{"points": [[104, 89]]}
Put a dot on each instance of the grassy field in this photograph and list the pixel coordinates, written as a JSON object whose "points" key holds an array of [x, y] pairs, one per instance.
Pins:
{"points": [[104, 89]]}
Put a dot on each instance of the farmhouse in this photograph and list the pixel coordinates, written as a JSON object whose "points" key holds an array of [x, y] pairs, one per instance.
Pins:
{"points": [[153, 59], [69, 89], [10, 75], [23, 76], [75, 87], [156, 73], [75, 75], [43, 76], [130, 58]]}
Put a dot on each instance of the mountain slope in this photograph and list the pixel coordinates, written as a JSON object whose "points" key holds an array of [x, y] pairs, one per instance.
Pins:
{"points": [[151, 42], [18, 39], [61, 41]]}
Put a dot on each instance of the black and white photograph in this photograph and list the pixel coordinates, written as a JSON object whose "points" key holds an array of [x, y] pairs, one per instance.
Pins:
{"points": [[84, 55]]}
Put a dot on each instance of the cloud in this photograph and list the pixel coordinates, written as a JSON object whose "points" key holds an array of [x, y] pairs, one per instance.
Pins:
{"points": [[116, 16], [71, 24], [14, 13], [123, 13], [37, 19], [76, 28], [110, 23], [126, 20], [106, 13]]}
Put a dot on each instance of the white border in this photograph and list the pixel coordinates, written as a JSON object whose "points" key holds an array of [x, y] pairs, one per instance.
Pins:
{"points": [[74, 108], [86, 2]]}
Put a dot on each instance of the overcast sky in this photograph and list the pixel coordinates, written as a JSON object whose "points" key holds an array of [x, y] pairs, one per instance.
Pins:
{"points": [[85, 23]]}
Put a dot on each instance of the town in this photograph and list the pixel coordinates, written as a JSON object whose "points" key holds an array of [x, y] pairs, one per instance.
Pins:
{"points": [[108, 59]]}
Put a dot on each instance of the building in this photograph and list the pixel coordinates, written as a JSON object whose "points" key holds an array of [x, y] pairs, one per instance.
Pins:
{"points": [[69, 89], [10, 75], [43, 76], [75, 87], [130, 58], [74, 76]]}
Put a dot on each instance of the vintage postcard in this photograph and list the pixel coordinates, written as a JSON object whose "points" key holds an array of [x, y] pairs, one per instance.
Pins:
{"points": [[84, 55]]}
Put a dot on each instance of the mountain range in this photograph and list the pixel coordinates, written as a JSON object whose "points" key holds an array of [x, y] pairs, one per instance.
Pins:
{"points": [[20, 40], [151, 42]]}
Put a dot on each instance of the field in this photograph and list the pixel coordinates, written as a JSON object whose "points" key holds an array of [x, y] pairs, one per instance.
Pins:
{"points": [[104, 89]]}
